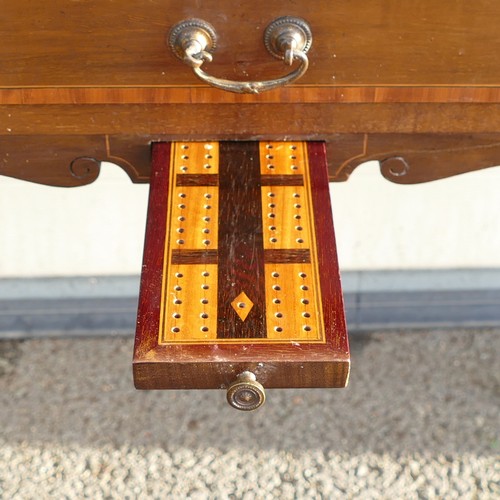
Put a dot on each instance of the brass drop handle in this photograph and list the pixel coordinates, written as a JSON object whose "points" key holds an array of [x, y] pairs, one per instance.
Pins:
{"points": [[287, 38]]}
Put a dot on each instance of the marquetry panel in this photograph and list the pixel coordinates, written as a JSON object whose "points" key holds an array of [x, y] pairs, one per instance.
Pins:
{"points": [[240, 257], [217, 296]]}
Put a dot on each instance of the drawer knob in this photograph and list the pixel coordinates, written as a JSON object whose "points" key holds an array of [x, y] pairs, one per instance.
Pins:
{"points": [[245, 393], [287, 38]]}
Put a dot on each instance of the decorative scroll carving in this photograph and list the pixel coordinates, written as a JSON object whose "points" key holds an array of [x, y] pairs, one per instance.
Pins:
{"points": [[394, 166], [70, 161], [412, 159], [85, 167], [74, 160]]}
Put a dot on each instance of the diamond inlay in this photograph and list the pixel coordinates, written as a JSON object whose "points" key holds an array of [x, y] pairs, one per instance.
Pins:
{"points": [[242, 305]]}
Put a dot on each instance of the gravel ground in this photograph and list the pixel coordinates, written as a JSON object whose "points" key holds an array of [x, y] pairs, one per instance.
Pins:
{"points": [[420, 419]]}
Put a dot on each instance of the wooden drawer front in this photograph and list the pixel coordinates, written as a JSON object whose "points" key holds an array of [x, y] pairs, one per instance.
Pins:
{"points": [[356, 42]]}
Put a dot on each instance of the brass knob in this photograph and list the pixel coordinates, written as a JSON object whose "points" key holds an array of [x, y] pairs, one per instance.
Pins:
{"points": [[245, 393]]}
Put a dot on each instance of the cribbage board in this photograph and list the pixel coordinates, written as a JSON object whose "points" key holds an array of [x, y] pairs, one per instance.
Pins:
{"points": [[240, 269]]}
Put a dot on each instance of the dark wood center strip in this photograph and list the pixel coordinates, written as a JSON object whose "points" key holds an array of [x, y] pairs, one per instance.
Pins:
{"points": [[241, 250], [197, 180], [288, 256], [194, 257], [282, 180]]}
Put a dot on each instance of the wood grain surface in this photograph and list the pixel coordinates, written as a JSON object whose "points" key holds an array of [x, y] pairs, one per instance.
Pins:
{"points": [[245, 306], [363, 42], [81, 83], [74, 160]]}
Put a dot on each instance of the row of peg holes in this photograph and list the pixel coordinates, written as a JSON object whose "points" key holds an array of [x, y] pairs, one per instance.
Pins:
{"points": [[297, 217], [204, 301], [182, 218], [185, 157], [277, 301], [269, 157]]}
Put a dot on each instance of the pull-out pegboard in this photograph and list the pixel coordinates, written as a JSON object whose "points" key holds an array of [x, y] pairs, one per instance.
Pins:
{"points": [[240, 269]]}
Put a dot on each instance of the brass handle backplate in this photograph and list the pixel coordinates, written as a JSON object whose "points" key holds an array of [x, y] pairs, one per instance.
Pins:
{"points": [[287, 38]]}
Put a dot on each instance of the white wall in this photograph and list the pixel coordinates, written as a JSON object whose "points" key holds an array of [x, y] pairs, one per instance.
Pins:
{"points": [[99, 229]]}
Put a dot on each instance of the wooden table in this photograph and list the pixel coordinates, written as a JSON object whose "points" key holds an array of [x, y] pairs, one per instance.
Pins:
{"points": [[414, 85]]}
